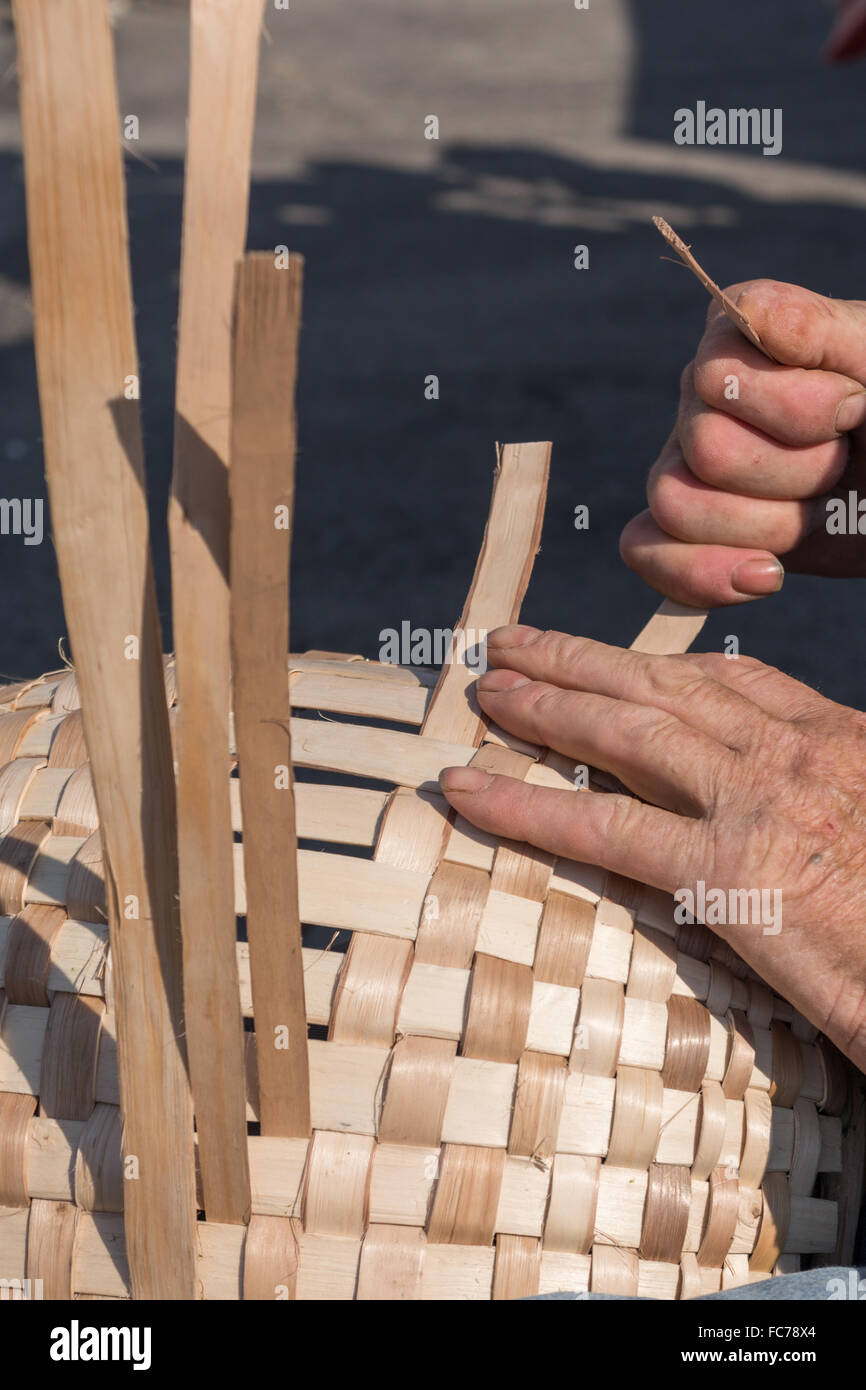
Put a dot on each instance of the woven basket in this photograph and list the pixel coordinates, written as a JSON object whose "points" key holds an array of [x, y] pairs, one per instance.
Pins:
{"points": [[524, 1076]]}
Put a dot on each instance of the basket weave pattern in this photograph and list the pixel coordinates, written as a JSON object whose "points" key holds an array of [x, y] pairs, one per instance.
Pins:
{"points": [[533, 1079]]}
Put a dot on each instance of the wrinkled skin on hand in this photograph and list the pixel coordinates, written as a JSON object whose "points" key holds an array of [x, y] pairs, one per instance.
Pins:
{"points": [[757, 450], [747, 778]]}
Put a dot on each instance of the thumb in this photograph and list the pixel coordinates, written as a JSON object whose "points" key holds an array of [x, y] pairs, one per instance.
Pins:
{"points": [[802, 329]]}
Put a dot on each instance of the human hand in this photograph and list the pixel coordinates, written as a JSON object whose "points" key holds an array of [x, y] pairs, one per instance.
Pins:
{"points": [[757, 449], [757, 782]]}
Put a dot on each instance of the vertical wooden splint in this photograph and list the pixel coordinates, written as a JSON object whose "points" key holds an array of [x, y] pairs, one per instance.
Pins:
{"points": [[88, 389], [224, 41]]}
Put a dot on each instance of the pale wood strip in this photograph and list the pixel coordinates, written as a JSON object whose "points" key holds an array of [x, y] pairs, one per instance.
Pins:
{"points": [[16, 778], [562, 1271], [68, 747], [341, 693], [52, 1146], [94, 467], [517, 1270], [370, 990], [78, 959], [76, 812], [453, 717], [18, 853], [812, 1225], [571, 1216], [637, 1115], [387, 755], [270, 1267], [418, 1091], [453, 908], [672, 628], [43, 796], [502, 573], [50, 1246], [337, 1184], [538, 1103], [85, 888], [101, 1266], [220, 1260], [341, 815], [454, 1273], [16, 1113], [13, 1240], [466, 1197], [392, 1258], [564, 940], [620, 1208], [337, 890], [67, 1076], [775, 1220], [587, 1112], [49, 878], [433, 1004], [401, 1183], [327, 1268], [277, 1175], [666, 1212], [722, 1214], [479, 1103], [22, 1040], [224, 42], [552, 1015], [523, 1197], [500, 997], [32, 937], [614, 1270], [99, 1182]]}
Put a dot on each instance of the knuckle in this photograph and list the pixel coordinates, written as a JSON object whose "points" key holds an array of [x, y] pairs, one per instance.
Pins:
{"points": [[708, 378], [667, 677], [706, 447]]}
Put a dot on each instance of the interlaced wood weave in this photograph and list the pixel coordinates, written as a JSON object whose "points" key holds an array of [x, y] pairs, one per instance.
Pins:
{"points": [[524, 1075], [471, 1071]]}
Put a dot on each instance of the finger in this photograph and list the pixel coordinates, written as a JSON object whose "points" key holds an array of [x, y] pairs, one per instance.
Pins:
{"points": [[663, 682], [614, 832], [773, 691], [804, 329], [705, 576], [791, 404], [728, 453], [651, 752], [690, 510]]}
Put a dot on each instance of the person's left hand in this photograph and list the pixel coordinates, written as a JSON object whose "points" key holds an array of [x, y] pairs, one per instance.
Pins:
{"points": [[755, 782]]}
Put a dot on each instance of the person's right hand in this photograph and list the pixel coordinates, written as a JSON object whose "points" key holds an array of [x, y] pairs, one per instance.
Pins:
{"points": [[757, 449]]}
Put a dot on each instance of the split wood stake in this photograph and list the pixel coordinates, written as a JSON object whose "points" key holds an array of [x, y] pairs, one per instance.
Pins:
{"points": [[224, 41], [88, 389], [675, 624], [262, 486]]}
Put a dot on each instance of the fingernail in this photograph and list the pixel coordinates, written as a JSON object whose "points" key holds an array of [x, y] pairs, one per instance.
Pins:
{"points": [[757, 577], [851, 412], [512, 635], [464, 779], [498, 682]]}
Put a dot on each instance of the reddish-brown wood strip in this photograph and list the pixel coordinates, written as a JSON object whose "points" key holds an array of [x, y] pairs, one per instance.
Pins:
{"points": [[262, 483]]}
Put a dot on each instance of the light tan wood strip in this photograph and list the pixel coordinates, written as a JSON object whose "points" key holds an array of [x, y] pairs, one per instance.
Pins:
{"points": [[224, 43], [88, 374]]}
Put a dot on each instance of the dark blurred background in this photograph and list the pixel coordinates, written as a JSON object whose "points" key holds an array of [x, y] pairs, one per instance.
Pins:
{"points": [[455, 257]]}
